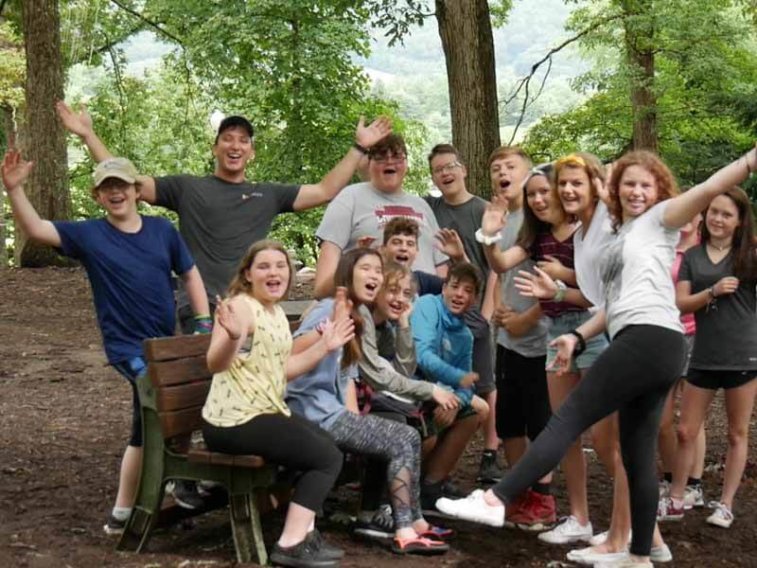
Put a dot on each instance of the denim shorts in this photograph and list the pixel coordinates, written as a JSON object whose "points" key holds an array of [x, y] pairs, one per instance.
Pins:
{"points": [[131, 370], [561, 325]]}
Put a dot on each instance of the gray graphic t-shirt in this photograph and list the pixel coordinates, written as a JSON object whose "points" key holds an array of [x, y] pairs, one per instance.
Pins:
{"points": [[635, 271]]}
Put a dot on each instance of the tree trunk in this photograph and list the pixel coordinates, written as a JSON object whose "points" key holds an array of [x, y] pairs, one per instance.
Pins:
{"points": [[466, 34], [639, 44], [44, 142]]}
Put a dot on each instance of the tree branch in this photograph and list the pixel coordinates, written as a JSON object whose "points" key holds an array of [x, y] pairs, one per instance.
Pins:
{"points": [[524, 83], [149, 22]]}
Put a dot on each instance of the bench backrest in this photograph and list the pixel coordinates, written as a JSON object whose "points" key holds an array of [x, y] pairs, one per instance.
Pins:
{"points": [[181, 379]]}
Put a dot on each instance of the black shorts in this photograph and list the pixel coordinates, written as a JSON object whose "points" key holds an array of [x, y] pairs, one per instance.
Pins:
{"points": [[714, 380], [483, 357]]}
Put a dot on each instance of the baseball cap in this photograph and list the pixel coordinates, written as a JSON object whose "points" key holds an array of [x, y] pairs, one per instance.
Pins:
{"points": [[120, 168], [235, 120]]}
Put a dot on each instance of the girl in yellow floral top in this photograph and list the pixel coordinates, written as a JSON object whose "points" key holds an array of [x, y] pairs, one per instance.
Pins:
{"points": [[245, 412]]}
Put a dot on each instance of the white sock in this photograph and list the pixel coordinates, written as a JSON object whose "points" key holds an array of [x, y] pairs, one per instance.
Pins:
{"points": [[121, 513]]}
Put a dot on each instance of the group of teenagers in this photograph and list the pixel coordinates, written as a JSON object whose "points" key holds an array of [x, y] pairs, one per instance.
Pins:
{"points": [[577, 272]]}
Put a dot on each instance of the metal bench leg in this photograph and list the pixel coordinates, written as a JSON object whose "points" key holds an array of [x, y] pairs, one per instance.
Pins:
{"points": [[257, 528], [146, 508], [241, 526]]}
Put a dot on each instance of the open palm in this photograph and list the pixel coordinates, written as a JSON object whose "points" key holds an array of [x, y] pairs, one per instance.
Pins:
{"points": [[15, 170]]}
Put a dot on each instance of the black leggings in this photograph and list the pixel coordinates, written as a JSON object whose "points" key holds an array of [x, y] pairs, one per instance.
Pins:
{"points": [[633, 375], [292, 442], [523, 400]]}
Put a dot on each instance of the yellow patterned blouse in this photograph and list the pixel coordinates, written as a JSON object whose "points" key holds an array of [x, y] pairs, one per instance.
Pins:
{"points": [[256, 381]]}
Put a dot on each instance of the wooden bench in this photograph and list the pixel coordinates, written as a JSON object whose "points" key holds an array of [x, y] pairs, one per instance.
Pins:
{"points": [[172, 395]]}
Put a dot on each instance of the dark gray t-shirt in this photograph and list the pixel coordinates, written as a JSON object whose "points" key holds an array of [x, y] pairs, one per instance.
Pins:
{"points": [[726, 336], [220, 220], [466, 220]]}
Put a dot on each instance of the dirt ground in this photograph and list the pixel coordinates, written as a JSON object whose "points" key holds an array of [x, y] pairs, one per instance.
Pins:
{"points": [[64, 419]]}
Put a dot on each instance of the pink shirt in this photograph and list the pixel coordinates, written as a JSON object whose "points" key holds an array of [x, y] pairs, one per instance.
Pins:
{"points": [[687, 320]]}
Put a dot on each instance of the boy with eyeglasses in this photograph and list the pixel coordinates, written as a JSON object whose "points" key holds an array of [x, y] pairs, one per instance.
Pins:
{"points": [[362, 210], [459, 210]]}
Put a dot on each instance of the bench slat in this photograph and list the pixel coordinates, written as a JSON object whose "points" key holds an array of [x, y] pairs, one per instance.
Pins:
{"points": [[177, 422], [187, 370], [166, 348], [202, 455], [179, 397]]}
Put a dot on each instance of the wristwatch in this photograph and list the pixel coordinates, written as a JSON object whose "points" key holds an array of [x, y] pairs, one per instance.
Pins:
{"points": [[488, 240], [561, 288]]}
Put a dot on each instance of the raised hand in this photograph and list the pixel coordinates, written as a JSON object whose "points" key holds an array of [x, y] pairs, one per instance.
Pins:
{"points": [[601, 187], [444, 398], [565, 345], [337, 334], [367, 136], [725, 286], [227, 318], [15, 171], [342, 305], [495, 216], [79, 123], [450, 243], [553, 267], [539, 285]]}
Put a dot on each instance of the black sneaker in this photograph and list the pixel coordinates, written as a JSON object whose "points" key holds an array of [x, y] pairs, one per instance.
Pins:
{"points": [[451, 490], [307, 554], [381, 524], [489, 471], [186, 495], [114, 526], [327, 551]]}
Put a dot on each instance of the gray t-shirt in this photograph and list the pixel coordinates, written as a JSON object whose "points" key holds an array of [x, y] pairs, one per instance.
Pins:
{"points": [[360, 210], [220, 220], [726, 335], [635, 271], [533, 343], [466, 220]]}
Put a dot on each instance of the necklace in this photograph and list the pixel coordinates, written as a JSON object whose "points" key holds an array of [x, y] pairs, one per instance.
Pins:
{"points": [[719, 248]]}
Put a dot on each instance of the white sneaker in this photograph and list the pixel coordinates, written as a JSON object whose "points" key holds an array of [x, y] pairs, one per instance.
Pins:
{"points": [[600, 538], [721, 517], [625, 562], [661, 554], [473, 508], [570, 530], [693, 497], [588, 556]]}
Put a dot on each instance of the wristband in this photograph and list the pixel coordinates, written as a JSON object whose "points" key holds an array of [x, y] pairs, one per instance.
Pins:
{"points": [[203, 324], [581, 347], [360, 148], [486, 239]]}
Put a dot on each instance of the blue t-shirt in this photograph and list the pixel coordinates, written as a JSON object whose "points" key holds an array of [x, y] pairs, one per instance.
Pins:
{"points": [[130, 275], [320, 394]]}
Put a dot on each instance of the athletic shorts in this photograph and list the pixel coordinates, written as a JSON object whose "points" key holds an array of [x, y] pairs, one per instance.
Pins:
{"points": [[714, 380], [483, 352], [566, 322]]}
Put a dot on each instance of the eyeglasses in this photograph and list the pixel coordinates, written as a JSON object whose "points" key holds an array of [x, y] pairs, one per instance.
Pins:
{"points": [[446, 168], [388, 158]]}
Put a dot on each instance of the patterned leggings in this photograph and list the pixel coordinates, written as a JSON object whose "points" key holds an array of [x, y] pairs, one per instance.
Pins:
{"points": [[399, 445]]}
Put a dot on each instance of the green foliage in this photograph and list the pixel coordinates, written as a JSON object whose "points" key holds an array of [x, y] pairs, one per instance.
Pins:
{"points": [[12, 67], [706, 69]]}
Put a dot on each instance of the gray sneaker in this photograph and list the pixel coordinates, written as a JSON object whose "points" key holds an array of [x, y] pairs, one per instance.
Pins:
{"points": [[186, 495], [489, 471]]}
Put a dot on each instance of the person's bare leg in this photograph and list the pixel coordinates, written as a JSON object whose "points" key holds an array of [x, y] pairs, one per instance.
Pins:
{"points": [[299, 521], [450, 447], [739, 403], [573, 464], [131, 465], [489, 426], [694, 404], [700, 451], [514, 449]]}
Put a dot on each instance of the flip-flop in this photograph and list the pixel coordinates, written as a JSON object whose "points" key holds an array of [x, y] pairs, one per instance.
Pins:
{"points": [[438, 533], [419, 545]]}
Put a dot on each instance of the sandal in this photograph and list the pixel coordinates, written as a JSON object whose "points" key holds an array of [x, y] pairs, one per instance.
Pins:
{"points": [[419, 545], [437, 533]]}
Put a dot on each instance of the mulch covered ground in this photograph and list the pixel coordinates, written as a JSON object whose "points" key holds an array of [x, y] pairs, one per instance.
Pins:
{"points": [[64, 419]]}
